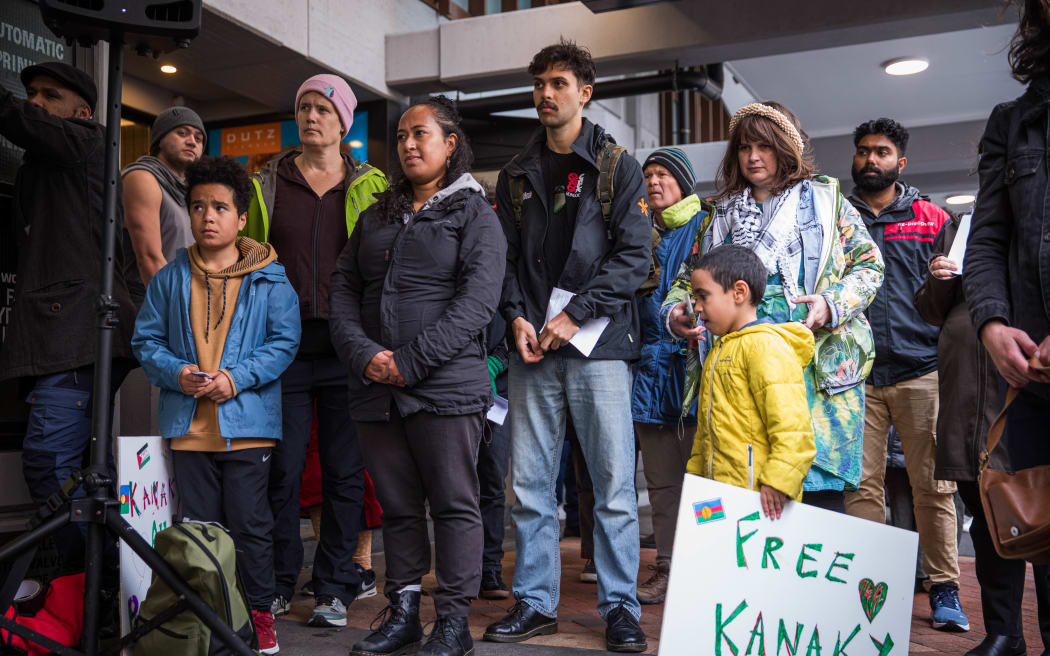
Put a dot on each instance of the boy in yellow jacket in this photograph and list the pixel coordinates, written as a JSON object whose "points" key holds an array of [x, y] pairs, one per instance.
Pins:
{"points": [[753, 425]]}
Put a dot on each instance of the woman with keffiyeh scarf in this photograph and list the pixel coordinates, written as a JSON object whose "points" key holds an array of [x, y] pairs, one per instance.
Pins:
{"points": [[823, 268]]}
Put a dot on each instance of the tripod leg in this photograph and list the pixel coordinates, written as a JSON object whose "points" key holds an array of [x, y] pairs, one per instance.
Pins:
{"points": [[26, 540], [96, 533], [125, 532]]}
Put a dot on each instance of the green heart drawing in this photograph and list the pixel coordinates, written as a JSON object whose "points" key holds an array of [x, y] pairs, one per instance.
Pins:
{"points": [[872, 597]]}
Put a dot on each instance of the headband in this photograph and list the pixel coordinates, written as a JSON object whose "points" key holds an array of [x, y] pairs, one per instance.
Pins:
{"points": [[765, 111]]}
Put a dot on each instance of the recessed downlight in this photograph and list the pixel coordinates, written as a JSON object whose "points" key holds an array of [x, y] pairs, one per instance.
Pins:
{"points": [[959, 199], [905, 66], [169, 69]]}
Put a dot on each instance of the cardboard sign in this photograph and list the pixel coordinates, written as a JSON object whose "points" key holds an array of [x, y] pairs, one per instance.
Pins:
{"points": [[813, 583], [146, 489]]}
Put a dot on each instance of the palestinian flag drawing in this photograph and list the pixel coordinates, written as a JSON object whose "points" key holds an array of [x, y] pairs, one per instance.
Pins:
{"points": [[143, 455], [708, 511]]}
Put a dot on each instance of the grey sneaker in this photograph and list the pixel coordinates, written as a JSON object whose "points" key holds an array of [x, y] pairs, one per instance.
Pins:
{"points": [[280, 606], [329, 611]]}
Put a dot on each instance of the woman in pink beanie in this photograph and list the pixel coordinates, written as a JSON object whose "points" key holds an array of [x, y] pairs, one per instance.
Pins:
{"points": [[306, 203], [337, 91]]}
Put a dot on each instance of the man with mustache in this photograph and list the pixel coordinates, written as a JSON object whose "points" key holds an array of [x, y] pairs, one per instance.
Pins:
{"points": [[155, 213], [560, 234], [902, 389]]}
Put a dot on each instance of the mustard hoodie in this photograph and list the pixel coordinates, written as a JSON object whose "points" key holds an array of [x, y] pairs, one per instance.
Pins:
{"points": [[753, 421]]}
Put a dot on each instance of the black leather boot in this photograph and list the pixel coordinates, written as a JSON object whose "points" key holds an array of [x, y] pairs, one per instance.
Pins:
{"points": [[521, 623], [449, 637], [400, 633], [999, 645], [622, 631]]}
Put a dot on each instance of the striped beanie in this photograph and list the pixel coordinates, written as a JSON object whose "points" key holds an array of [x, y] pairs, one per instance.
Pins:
{"points": [[675, 161]]}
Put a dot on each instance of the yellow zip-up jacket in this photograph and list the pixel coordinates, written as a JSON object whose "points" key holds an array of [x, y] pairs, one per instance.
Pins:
{"points": [[753, 421]]}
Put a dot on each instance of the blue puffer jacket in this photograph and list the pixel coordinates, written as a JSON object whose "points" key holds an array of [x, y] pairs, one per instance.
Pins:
{"points": [[261, 343], [660, 375]]}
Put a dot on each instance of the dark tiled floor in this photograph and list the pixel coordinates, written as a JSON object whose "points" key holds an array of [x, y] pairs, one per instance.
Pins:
{"points": [[580, 628]]}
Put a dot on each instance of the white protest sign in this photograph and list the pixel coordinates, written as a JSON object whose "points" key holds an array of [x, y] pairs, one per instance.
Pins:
{"points": [[147, 501], [813, 583]]}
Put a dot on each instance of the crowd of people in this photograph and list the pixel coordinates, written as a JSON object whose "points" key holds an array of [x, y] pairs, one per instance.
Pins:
{"points": [[772, 337]]}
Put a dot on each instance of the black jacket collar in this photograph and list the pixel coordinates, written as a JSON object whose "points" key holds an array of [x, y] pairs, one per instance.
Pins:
{"points": [[588, 144], [1036, 100]]}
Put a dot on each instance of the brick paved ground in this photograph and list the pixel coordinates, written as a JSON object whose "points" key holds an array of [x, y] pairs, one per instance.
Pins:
{"points": [[581, 628]]}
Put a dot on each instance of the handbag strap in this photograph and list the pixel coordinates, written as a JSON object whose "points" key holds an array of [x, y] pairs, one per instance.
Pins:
{"points": [[995, 433]]}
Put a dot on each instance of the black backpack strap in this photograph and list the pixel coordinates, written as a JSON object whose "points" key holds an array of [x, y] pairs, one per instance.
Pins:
{"points": [[15, 575], [608, 158], [142, 627]]}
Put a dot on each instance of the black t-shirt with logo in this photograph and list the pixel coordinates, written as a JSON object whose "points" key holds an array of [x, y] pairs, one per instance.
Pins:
{"points": [[563, 176]]}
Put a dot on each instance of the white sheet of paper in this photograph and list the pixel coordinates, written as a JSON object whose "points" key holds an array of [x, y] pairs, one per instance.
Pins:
{"points": [[958, 249], [498, 412], [587, 336]]}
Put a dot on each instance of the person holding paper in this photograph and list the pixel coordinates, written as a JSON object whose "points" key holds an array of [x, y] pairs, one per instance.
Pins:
{"points": [[574, 263], [902, 389], [410, 298], [823, 270]]}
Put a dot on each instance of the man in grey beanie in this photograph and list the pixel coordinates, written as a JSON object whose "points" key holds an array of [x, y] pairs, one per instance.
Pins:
{"points": [[155, 213]]}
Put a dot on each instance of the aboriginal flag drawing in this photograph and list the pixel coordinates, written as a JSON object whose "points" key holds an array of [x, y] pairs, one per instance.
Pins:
{"points": [[708, 511]]}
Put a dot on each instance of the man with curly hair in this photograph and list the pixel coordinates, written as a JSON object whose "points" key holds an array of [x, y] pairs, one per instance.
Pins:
{"points": [[902, 389], [217, 353]]}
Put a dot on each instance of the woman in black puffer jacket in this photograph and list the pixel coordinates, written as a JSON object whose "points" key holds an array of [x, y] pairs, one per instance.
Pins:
{"points": [[412, 293]]}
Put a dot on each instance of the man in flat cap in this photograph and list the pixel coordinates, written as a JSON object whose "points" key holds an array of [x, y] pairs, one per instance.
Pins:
{"points": [[59, 227], [155, 213]]}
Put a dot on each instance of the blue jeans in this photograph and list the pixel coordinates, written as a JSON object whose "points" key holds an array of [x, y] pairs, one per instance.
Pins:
{"points": [[596, 395], [57, 441]]}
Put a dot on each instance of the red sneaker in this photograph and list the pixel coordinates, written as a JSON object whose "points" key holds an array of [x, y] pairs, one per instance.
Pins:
{"points": [[266, 631]]}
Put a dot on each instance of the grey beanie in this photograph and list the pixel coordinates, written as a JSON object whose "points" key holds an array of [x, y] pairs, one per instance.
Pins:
{"points": [[172, 118]]}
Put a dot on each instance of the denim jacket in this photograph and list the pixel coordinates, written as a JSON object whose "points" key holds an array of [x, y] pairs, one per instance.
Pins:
{"points": [[1006, 274], [262, 342]]}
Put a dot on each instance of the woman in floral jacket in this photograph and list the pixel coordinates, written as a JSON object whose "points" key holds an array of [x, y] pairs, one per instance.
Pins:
{"points": [[823, 268]]}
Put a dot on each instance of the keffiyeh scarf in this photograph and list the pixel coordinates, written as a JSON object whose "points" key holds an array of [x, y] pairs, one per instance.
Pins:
{"points": [[774, 236]]}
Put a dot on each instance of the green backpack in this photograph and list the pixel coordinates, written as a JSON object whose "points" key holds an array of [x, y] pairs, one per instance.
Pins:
{"points": [[204, 556]]}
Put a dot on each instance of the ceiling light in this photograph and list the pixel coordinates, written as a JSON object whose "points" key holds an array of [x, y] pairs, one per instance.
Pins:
{"points": [[168, 68], [959, 199], [905, 66], [356, 143]]}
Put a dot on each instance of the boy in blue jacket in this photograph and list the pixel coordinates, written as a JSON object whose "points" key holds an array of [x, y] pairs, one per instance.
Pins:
{"points": [[218, 327]]}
